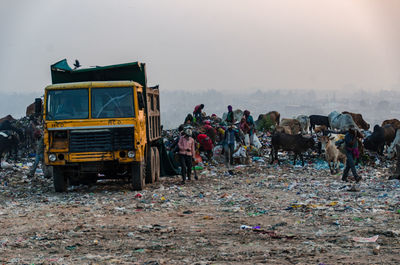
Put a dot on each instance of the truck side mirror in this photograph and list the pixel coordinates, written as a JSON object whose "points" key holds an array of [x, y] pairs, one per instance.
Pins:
{"points": [[38, 106]]}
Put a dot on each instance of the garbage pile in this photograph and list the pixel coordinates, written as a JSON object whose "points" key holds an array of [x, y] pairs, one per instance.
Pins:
{"points": [[246, 213]]}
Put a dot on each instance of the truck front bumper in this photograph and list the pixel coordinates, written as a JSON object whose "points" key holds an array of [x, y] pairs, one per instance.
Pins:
{"points": [[65, 158]]}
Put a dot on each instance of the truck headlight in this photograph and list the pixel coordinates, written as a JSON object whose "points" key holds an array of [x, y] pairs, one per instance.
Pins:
{"points": [[131, 154], [52, 157]]}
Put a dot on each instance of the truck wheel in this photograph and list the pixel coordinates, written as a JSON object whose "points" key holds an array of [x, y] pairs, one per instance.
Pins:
{"points": [[47, 171], [150, 167], [138, 175], [157, 164], [60, 180]]}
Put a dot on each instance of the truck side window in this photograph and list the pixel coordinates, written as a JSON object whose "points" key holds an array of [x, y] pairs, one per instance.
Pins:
{"points": [[140, 100]]}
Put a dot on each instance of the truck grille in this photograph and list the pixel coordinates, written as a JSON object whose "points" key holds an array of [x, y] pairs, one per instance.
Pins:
{"points": [[101, 140]]}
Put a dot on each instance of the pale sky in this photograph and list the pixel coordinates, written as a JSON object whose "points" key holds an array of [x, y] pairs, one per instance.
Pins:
{"points": [[207, 44]]}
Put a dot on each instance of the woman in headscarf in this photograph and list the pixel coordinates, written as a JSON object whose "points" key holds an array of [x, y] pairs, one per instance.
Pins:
{"points": [[250, 123], [230, 119]]}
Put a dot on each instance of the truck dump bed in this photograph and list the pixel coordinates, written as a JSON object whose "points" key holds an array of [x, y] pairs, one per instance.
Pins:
{"points": [[62, 73]]}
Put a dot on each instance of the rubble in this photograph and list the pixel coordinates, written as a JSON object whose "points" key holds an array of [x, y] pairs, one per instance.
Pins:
{"points": [[255, 213], [252, 212]]}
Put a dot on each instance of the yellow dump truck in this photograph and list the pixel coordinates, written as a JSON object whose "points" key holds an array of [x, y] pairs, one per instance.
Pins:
{"points": [[101, 122]]}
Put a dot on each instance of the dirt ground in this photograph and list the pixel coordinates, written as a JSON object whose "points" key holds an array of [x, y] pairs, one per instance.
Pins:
{"points": [[293, 216]]}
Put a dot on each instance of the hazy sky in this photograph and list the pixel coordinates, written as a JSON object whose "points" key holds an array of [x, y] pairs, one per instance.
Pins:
{"points": [[218, 44]]}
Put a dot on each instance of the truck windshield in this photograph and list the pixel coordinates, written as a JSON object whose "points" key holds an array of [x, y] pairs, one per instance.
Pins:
{"points": [[67, 104], [115, 102]]}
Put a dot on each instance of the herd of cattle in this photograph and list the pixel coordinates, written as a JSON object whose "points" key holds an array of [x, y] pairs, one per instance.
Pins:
{"points": [[289, 134]]}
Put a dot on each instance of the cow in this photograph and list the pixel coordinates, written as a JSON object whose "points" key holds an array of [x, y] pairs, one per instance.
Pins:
{"points": [[322, 129], [304, 123], [394, 122], [358, 119], [9, 141], [380, 136], [392, 148], [293, 124], [318, 120], [274, 116], [283, 129], [296, 143], [8, 128], [342, 122], [332, 153]]}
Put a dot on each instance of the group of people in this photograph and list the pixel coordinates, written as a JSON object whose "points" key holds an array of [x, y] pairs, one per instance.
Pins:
{"points": [[198, 134]]}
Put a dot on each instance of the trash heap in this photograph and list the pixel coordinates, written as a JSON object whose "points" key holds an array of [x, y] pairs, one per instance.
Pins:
{"points": [[249, 213]]}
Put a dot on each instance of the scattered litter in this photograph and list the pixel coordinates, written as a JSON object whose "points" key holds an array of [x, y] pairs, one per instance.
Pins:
{"points": [[366, 239]]}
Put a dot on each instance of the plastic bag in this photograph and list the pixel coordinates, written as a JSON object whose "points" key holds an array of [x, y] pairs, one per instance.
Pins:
{"points": [[241, 152]]}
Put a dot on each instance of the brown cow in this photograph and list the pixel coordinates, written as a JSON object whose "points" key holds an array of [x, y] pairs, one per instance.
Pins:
{"points": [[332, 154], [358, 119], [7, 118], [320, 129], [293, 124], [283, 129], [274, 116], [394, 122]]}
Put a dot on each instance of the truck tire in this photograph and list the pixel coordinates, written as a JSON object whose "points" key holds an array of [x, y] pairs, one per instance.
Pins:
{"points": [[60, 179], [138, 175], [47, 171], [150, 167], [157, 164]]}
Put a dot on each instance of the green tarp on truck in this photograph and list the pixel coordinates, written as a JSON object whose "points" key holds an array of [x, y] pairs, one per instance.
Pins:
{"points": [[61, 72]]}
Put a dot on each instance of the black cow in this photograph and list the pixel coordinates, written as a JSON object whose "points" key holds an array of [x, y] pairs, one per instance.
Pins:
{"points": [[9, 141], [318, 120], [7, 126], [381, 136], [296, 143], [10, 138]]}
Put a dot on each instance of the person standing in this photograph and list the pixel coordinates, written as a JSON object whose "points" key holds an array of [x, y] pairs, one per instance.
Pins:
{"points": [[251, 125], [350, 140], [186, 154], [231, 134], [38, 156], [230, 118], [197, 112]]}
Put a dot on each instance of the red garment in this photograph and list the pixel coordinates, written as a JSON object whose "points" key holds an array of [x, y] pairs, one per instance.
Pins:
{"points": [[197, 109], [207, 127], [211, 132], [205, 142]]}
